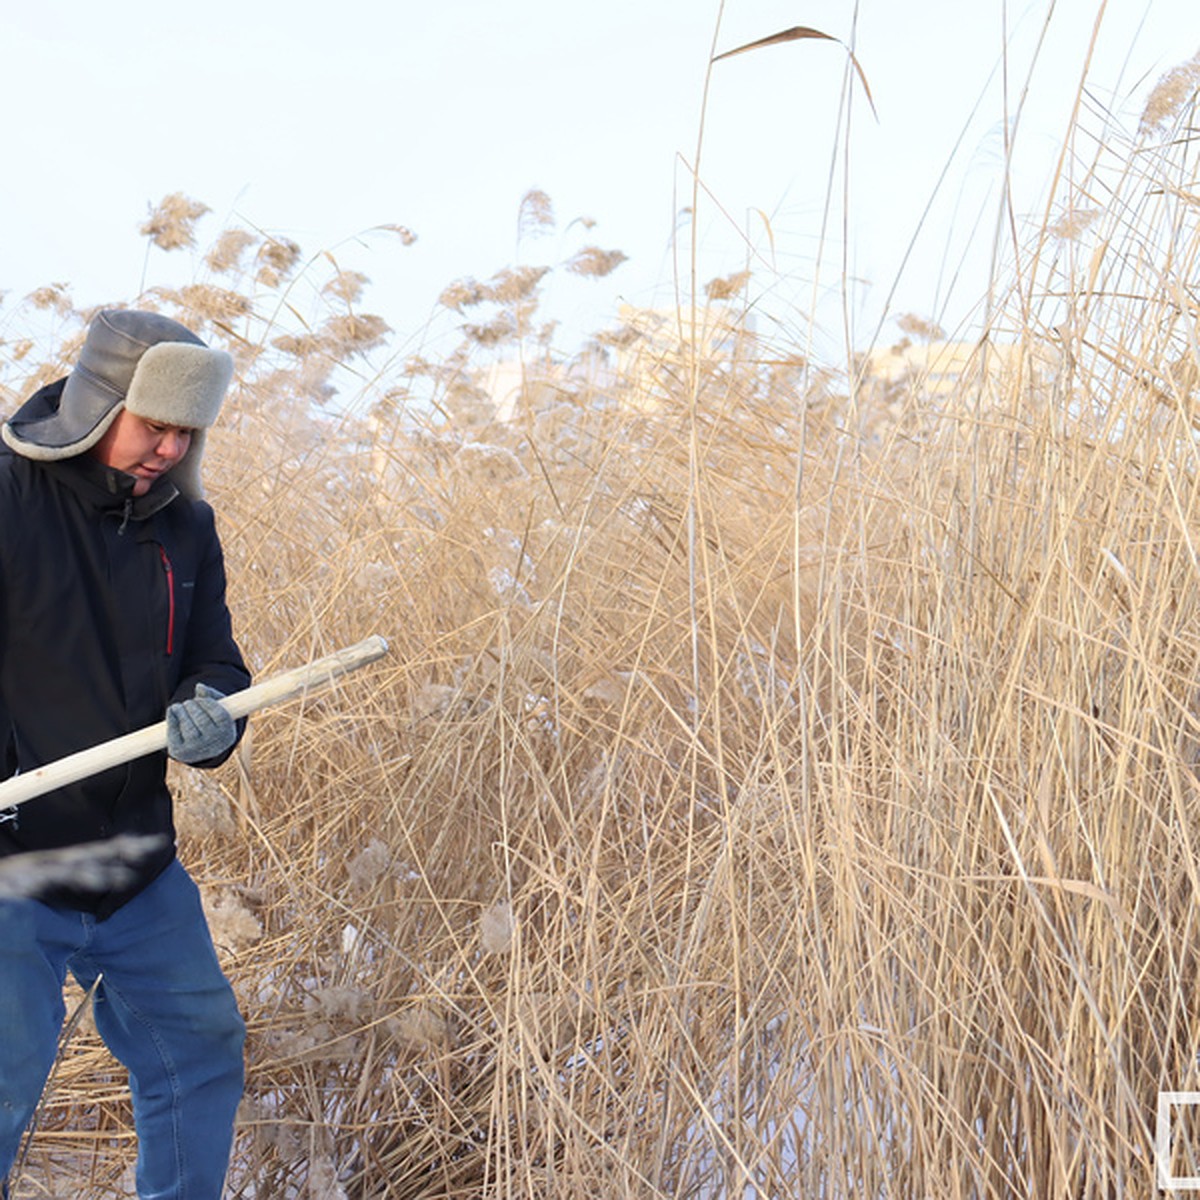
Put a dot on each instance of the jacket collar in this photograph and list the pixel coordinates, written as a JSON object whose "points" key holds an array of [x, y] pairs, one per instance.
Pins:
{"points": [[106, 489]]}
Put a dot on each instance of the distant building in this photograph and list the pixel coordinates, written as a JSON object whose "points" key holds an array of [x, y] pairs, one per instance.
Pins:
{"points": [[635, 364], [714, 330], [511, 384], [653, 349], [938, 368]]}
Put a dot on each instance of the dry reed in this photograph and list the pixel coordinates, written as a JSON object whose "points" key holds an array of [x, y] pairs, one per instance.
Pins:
{"points": [[775, 789]]}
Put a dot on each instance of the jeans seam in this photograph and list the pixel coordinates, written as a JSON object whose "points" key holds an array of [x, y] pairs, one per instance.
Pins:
{"points": [[170, 1072]]}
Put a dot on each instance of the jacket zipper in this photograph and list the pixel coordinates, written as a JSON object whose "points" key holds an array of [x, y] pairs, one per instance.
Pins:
{"points": [[170, 573]]}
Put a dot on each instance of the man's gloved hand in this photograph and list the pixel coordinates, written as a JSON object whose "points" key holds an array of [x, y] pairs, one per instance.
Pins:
{"points": [[200, 728]]}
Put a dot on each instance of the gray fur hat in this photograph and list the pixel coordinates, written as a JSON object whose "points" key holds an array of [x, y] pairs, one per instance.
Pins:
{"points": [[140, 361]]}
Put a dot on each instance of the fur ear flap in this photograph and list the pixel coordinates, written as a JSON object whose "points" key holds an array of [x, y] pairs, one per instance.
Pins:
{"points": [[177, 383], [13, 432], [185, 474]]}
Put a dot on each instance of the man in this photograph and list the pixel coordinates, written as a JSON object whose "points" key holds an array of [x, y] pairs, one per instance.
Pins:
{"points": [[112, 613]]}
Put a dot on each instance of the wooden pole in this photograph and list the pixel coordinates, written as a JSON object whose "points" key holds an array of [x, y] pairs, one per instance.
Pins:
{"points": [[275, 690]]}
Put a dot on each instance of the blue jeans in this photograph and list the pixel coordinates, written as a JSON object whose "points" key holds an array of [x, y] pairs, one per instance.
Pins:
{"points": [[164, 1009]]}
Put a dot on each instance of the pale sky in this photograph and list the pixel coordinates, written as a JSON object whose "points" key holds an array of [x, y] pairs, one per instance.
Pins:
{"points": [[317, 120]]}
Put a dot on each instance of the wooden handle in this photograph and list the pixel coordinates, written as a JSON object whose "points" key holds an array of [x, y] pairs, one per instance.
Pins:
{"points": [[275, 690]]}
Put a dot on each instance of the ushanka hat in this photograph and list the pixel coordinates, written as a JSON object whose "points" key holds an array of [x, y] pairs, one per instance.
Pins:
{"points": [[142, 362]]}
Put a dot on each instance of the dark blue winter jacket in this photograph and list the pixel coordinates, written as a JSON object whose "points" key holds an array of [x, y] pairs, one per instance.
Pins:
{"points": [[111, 608]]}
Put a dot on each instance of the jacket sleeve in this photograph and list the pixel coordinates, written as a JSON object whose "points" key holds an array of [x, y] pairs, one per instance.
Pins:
{"points": [[8, 737], [210, 653], [8, 746]]}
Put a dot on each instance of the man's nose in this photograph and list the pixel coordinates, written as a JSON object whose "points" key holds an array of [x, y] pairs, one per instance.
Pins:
{"points": [[172, 444]]}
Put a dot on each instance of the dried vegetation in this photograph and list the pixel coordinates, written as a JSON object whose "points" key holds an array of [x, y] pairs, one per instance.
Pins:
{"points": [[774, 788]]}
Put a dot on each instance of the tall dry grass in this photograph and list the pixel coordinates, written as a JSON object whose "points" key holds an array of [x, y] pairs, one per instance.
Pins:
{"points": [[776, 788]]}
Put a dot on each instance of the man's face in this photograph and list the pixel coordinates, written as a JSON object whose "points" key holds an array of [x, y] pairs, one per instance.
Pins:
{"points": [[141, 448]]}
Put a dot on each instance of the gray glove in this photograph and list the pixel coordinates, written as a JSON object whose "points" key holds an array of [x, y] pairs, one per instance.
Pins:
{"points": [[200, 728]]}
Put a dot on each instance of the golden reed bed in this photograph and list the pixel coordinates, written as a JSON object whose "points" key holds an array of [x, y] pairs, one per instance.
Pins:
{"points": [[780, 784]]}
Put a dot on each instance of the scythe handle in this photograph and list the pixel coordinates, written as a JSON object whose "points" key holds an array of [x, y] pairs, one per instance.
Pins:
{"points": [[129, 746]]}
